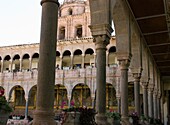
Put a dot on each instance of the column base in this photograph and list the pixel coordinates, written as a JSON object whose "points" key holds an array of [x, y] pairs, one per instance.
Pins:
{"points": [[101, 119], [125, 121], [43, 118]]}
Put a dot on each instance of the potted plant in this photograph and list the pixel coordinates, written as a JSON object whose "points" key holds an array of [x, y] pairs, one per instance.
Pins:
{"points": [[113, 118], [135, 118], [5, 109]]}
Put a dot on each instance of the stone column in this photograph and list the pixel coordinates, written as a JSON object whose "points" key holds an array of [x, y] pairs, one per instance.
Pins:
{"points": [[107, 58], [61, 61], [137, 77], [69, 101], [93, 101], [94, 59], [44, 113], [30, 64], [82, 65], [2, 65], [26, 108], [101, 42], [20, 66], [11, 65], [155, 104], [158, 105], [145, 98], [124, 64], [150, 100], [71, 62], [118, 104]]}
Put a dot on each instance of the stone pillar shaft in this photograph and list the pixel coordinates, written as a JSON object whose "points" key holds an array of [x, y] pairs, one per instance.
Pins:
{"points": [[155, 105], [119, 104], [26, 109], [158, 106], [150, 101], [2, 65], [145, 100], [100, 43], [94, 60], [61, 60], [137, 92], [30, 64], [20, 66], [44, 114], [124, 64], [82, 65]]}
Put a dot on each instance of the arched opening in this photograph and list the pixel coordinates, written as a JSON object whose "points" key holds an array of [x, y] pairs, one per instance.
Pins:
{"points": [[32, 97], [70, 11], [77, 59], [131, 94], [35, 59], [7, 63], [61, 100], [79, 31], [25, 62], [17, 97], [89, 58], [66, 60], [81, 96], [57, 59], [16, 63], [110, 96], [112, 57], [62, 33]]}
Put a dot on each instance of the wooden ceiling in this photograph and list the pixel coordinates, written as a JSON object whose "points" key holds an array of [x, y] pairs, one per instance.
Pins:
{"points": [[153, 20]]}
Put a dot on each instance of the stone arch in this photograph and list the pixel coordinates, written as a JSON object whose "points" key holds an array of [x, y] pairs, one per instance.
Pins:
{"points": [[121, 18], [17, 96], [61, 96], [77, 58], [81, 95], [89, 57]]}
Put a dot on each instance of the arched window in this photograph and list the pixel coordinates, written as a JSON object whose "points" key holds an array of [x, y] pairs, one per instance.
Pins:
{"points": [[79, 31], [70, 11], [62, 33]]}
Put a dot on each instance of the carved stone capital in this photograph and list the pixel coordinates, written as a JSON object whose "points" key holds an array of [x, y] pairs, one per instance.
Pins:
{"points": [[124, 64], [151, 88], [145, 85], [101, 41], [136, 76], [53, 1]]}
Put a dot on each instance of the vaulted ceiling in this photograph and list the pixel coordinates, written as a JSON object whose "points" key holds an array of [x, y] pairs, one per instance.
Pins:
{"points": [[153, 19]]}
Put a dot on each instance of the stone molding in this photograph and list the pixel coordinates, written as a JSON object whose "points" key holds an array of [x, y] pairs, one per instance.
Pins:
{"points": [[151, 88], [102, 29]]}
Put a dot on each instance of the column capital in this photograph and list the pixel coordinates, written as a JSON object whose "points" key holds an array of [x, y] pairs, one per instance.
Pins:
{"points": [[124, 64], [101, 41], [136, 76], [144, 84], [151, 88], [53, 1]]}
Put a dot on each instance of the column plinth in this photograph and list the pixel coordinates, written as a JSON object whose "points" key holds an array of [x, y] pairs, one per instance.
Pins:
{"points": [[44, 113]]}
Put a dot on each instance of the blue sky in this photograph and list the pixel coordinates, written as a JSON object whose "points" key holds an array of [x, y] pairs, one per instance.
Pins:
{"points": [[20, 22]]}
